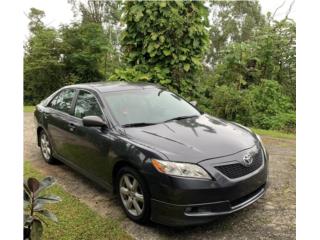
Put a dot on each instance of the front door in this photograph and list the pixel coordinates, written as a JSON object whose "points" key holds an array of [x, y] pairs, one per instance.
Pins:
{"points": [[90, 145]]}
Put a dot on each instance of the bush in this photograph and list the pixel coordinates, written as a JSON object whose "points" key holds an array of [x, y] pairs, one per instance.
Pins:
{"points": [[262, 106], [227, 102], [268, 107], [284, 121]]}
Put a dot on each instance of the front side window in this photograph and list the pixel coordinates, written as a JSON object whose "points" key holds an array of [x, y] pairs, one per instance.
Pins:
{"points": [[87, 105], [147, 106], [63, 100]]}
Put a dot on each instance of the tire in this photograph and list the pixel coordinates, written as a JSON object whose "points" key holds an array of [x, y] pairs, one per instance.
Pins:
{"points": [[46, 149], [135, 194]]}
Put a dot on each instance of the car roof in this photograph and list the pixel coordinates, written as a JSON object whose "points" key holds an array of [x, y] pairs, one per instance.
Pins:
{"points": [[114, 86]]}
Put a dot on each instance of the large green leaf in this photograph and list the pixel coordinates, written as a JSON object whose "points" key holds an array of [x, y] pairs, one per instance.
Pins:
{"points": [[166, 52], [38, 207], [186, 67], [47, 199], [49, 215], [196, 61], [154, 36], [161, 39], [46, 183], [182, 57], [33, 184], [163, 4], [36, 230]]}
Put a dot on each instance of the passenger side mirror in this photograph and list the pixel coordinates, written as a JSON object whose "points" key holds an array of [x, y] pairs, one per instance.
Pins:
{"points": [[93, 121], [194, 103]]}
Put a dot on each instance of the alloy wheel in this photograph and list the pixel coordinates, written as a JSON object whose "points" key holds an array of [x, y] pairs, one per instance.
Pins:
{"points": [[131, 194]]}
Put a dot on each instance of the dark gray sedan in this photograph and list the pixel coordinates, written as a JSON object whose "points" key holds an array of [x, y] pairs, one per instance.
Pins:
{"points": [[166, 160]]}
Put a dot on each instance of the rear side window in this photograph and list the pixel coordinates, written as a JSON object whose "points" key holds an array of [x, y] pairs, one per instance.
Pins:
{"points": [[87, 105], [63, 100]]}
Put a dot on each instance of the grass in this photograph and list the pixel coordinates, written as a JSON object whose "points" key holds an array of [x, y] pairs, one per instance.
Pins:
{"points": [[273, 133], [76, 220], [28, 108]]}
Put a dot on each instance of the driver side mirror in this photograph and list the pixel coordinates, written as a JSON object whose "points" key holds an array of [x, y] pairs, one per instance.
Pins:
{"points": [[194, 103], [93, 121]]}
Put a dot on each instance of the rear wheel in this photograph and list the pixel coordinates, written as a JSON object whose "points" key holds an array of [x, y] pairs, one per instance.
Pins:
{"points": [[46, 149], [133, 194]]}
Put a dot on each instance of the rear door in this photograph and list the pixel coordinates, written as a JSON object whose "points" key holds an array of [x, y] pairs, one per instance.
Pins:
{"points": [[58, 122]]}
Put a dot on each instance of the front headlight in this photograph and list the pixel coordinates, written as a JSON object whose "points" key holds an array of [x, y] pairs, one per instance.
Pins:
{"points": [[180, 169]]}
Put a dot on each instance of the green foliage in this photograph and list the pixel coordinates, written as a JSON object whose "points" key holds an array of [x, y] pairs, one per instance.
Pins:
{"points": [[269, 55], [34, 206], [85, 51], [232, 22], [227, 102], [263, 106], [237, 89], [269, 108], [75, 53], [276, 50], [165, 41], [43, 70], [239, 66]]}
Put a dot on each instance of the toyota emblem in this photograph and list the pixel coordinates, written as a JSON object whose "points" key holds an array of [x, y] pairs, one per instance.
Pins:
{"points": [[247, 160]]}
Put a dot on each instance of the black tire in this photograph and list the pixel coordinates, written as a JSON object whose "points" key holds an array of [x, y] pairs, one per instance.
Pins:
{"points": [[144, 217], [47, 158]]}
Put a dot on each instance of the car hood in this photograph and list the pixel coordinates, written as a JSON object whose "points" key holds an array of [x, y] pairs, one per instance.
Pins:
{"points": [[193, 139]]}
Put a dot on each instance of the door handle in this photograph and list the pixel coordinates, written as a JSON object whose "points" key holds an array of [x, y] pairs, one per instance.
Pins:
{"points": [[71, 127]]}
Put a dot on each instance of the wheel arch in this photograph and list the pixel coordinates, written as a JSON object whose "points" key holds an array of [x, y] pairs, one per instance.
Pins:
{"points": [[39, 129], [120, 164]]}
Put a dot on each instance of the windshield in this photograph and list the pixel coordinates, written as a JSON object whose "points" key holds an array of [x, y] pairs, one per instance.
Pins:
{"points": [[147, 106]]}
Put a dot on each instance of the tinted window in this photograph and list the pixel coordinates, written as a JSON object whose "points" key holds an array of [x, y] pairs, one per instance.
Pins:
{"points": [[87, 105], [63, 100], [147, 106]]}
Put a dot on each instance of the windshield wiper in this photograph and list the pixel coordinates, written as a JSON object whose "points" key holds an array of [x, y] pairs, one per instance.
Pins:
{"points": [[181, 117], [141, 124]]}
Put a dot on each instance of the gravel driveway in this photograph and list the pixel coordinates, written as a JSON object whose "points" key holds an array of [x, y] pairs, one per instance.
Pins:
{"points": [[271, 217]]}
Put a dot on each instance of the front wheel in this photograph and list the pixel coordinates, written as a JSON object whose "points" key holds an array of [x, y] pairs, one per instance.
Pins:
{"points": [[134, 195], [46, 149]]}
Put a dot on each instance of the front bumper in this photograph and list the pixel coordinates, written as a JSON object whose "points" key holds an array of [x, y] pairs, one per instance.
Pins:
{"points": [[194, 214], [180, 201]]}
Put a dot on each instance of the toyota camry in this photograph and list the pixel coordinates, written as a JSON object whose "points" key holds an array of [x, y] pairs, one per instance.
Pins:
{"points": [[166, 160]]}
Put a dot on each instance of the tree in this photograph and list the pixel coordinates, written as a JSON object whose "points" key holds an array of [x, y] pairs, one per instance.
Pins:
{"points": [[277, 53], [165, 42], [232, 22], [85, 49], [105, 13], [43, 68]]}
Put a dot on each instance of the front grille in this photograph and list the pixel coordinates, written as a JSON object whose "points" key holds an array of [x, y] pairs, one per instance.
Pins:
{"points": [[237, 170]]}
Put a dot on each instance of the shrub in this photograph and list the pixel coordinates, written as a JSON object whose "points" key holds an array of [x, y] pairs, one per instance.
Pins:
{"points": [[34, 206], [268, 107], [227, 102]]}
